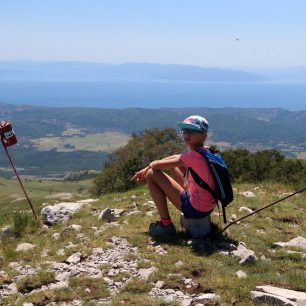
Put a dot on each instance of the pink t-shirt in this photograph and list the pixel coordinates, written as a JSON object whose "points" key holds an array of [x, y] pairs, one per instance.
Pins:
{"points": [[200, 198]]}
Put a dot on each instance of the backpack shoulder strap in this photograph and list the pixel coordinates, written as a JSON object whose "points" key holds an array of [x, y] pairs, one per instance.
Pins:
{"points": [[202, 183]]}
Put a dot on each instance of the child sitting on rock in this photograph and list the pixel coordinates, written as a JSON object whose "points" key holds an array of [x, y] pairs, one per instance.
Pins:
{"points": [[180, 188]]}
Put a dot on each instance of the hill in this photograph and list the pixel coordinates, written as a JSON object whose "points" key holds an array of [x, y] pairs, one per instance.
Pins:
{"points": [[91, 261], [81, 138], [84, 71]]}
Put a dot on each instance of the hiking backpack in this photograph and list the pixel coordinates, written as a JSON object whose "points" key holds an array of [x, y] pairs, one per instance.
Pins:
{"points": [[224, 192]]}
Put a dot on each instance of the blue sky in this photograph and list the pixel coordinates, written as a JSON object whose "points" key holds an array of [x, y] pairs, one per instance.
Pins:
{"points": [[272, 33]]}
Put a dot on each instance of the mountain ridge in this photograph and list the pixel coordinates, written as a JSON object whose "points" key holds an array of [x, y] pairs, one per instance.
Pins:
{"points": [[87, 71]]}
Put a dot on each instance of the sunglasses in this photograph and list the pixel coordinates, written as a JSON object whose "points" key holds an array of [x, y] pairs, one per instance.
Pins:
{"points": [[190, 131]]}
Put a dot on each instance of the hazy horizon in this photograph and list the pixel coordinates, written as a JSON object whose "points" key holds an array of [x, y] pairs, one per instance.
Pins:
{"points": [[235, 34]]}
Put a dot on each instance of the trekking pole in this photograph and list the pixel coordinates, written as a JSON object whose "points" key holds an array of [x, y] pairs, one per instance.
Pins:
{"points": [[20, 182], [258, 210]]}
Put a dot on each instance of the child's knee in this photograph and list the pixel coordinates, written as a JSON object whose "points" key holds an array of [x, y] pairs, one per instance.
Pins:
{"points": [[149, 174], [152, 173]]}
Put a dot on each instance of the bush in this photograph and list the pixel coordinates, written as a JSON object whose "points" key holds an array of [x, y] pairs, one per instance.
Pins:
{"points": [[22, 221], [138, 153], [266, 165]]}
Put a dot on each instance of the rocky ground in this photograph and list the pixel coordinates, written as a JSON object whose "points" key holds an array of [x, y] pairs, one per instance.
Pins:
{"points": [[119, 262]]}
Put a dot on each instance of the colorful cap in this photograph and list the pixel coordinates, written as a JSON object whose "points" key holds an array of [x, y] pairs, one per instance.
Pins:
{"points": [[196, 123]]}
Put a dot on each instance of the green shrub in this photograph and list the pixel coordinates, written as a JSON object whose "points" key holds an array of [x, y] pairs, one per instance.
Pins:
{"points": [[266, 165], [22, 221], [138, 153]]}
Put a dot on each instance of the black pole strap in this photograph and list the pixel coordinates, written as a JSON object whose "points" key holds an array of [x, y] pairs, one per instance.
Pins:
{"points": [[258, 210]]}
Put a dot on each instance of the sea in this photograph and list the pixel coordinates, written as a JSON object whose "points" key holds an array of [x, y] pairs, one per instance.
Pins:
{"points": [[155, 94]]}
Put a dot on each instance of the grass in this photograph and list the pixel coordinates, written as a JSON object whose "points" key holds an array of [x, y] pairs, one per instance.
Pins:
{"points": [[30, 283], [210, 271], [12, 197]]}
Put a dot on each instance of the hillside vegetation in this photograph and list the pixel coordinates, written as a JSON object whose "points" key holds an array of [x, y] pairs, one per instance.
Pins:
{"points": [[244, 166], [251, 126], [77, 139]]}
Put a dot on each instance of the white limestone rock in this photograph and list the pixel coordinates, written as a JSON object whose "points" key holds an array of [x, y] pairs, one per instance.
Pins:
{"points": [[59, 285], [56, 236], [297, 296], [179, 264], [240, 274], [298, 241], [248, 259], [88, 201], [60, 212], [246, 209], [159, 284], [262, 297], [74, 227], [145, 273], [242, 251], [23, 247], [206, 297], [74, 258], [247, 194]]}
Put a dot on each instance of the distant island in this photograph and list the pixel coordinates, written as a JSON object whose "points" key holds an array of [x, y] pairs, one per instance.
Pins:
{"points": [[85, 71]]}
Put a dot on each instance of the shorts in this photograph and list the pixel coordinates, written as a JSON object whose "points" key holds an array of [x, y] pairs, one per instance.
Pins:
{"points": [[188, 210]]}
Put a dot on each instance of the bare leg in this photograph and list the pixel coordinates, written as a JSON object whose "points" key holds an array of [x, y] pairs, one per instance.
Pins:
{"points": [[161, 187], [177, 173]]}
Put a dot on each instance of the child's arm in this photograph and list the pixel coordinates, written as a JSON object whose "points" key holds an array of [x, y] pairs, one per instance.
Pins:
{"points": [[167, 162]]}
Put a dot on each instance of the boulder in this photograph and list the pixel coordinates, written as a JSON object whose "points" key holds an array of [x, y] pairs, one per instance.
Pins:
{"points": [[159, 284], [196, 228], [60, 212], [206, 297], [110, 215], [107, 215], [262, 297], [248, 259], [242, 251], [297, 296], [7, 232], [74, 258], [298, 241], [23, 247]]}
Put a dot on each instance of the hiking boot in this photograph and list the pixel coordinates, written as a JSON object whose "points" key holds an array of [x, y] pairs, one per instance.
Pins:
{"points": [[160, 231]]}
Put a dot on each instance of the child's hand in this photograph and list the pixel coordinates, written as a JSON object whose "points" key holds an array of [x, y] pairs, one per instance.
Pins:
{"points": [[140, 176]]}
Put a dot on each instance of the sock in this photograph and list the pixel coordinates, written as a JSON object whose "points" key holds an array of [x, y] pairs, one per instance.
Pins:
{"points": [[165, 222]]}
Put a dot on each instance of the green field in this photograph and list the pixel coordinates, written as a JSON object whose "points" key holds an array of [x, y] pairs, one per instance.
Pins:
{"points": [[107, 142], [12, 197]]}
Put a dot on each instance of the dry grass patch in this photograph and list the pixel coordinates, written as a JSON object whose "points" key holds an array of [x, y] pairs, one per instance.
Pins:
{"points": [[32, 282]]}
